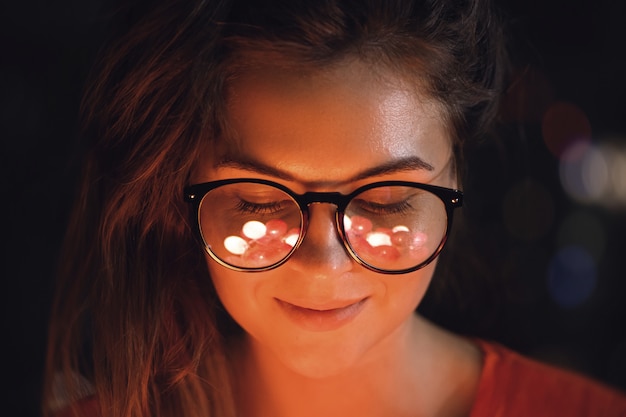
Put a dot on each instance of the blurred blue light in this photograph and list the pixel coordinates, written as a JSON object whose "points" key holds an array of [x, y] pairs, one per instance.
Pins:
{"points": [[571, 276]]}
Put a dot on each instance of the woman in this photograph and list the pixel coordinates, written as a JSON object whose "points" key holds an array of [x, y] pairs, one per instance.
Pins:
{"points": [[267, 191]]}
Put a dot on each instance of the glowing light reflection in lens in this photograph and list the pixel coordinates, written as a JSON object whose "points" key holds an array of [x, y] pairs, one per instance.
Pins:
{"points": [[261, 244]]}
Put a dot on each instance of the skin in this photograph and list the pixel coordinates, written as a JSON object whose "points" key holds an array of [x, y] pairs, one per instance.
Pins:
{"points": [[323, 131]]}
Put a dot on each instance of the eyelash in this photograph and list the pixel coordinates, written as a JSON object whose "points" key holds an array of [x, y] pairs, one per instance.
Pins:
{"points": [[383, 209], [254, 208]]}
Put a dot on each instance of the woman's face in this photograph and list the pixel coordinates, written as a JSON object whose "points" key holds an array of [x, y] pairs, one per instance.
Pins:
{"points": [[321, 312]]}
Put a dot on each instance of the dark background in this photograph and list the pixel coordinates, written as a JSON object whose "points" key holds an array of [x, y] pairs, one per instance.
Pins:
{"points": [[565, 51]]}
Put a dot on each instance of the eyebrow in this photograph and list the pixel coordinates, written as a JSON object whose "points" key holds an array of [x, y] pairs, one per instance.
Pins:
{"points": [[411, 163]]}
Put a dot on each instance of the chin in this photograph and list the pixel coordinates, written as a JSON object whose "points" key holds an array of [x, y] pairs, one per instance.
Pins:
{"points": [[322, 363]]}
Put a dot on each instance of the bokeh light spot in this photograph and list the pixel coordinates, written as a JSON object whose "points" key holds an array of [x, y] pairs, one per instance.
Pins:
{"points": [[571, 276], [614, 157], [617, 167], [528, 97], [584, 230], [563, 124], [595, 173], [570, 170]]}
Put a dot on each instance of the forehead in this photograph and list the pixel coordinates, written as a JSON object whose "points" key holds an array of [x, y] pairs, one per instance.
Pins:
{"points": [[329, 125]]}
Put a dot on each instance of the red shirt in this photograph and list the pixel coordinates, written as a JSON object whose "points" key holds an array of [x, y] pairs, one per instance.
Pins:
{"points": [[512, 385]]}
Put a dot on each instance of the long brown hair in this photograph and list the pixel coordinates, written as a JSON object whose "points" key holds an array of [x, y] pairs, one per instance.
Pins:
{"points": [[135, 313]]}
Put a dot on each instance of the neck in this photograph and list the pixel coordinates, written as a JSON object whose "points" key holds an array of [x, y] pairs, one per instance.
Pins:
{"points": [[407, 374]]}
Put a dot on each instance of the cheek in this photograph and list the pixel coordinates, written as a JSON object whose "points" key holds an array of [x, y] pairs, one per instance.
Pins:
{"points": [[236, 292], [405, 293]]}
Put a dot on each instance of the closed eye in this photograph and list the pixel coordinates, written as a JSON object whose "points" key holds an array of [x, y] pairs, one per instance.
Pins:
{"points": [[372, 207], [273, 207]]}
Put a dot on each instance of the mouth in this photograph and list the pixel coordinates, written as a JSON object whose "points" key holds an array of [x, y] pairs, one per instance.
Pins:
{"points": [[322, 318]]}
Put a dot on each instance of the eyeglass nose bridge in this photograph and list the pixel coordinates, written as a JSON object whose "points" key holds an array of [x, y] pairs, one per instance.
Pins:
{"points": [[337, 199], [340, 201]]}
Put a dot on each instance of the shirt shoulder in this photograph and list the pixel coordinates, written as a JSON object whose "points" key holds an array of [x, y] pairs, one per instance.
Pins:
{"points": [[512, 385]]}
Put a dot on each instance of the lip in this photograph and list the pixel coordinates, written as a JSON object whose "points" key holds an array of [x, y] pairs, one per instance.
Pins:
{"points": [[322, 319]]}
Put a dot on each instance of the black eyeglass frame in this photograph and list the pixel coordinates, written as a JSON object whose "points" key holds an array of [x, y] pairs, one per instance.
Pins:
{"points": [[451, 199]]}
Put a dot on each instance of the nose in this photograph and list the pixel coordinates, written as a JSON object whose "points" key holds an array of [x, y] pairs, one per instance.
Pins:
{"points": [[322, 250]]}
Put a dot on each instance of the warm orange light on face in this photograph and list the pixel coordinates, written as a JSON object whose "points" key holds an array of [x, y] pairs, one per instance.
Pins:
{"points": [[321, 311]]}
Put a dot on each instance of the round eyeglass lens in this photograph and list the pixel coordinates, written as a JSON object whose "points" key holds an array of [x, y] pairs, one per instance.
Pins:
{"points": [[249, 225], [394, 228]]}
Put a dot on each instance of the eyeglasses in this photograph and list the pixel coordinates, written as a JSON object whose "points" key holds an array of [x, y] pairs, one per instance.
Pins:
{"points": [[391, 227]]}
